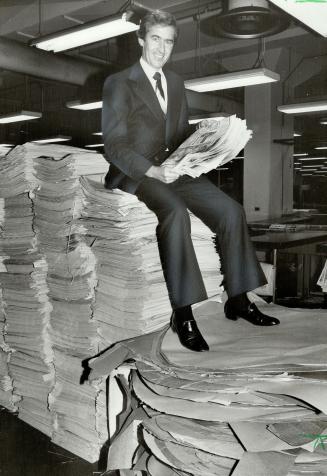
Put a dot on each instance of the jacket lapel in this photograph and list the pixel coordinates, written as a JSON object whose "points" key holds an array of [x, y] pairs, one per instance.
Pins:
{"points": [[174, 102], [144, 90]]}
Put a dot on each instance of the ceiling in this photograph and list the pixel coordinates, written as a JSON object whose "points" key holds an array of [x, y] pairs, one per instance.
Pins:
{"points": [[45, 84]]}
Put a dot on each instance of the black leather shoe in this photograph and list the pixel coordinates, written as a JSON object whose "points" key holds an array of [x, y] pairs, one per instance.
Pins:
{"points": [[188, 334], [251, 314]]}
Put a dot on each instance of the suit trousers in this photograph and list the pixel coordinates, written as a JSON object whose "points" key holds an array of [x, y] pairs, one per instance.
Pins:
{"points": [[223, 215]]}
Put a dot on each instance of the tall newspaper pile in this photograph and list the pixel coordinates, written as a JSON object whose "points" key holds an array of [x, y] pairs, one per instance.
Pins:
{"points": [[71, 282], [47, 285], [214, 143], [131, 296], [79, 270]]}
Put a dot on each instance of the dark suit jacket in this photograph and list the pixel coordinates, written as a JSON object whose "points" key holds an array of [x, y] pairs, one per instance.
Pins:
{"points": [[135, 130]]}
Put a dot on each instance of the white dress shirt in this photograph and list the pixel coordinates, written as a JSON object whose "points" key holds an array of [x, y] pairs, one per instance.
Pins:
{"points": [[149, 71]]}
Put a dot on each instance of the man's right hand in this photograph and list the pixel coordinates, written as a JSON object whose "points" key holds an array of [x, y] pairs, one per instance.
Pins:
{"points": [[164, 174]]}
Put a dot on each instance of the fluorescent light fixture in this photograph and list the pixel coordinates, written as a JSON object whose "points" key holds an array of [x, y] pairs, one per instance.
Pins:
{"points": [[84, 106], [296, 134], [217, 117], [7, 145], [300, 155], [94, 145], [321, 148], [90, 32], [195, 121], [48, 140], [323, 122], [306, 175], [314, 158], [310, 12], [19, 116], [309, 166], [236, 79], [304, 107], [96, 133]]}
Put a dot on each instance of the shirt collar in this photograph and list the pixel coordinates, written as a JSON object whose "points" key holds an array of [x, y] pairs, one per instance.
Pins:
{"points": [[149, 70]]}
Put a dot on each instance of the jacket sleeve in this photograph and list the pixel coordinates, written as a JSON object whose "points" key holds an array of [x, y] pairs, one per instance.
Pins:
{"points": [[115, 113]]}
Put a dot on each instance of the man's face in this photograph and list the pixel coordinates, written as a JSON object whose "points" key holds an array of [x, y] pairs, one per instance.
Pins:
{"points": [[157, 45]]}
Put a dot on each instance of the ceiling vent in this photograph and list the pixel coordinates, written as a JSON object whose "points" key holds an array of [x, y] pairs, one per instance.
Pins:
{"points": [[245, 19]]}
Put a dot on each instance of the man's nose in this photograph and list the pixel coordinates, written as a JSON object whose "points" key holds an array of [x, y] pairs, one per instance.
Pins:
{"points": [[161, 46]]}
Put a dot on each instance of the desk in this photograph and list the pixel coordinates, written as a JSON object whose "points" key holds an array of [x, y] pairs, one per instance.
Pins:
{"points": [[298, 242]]}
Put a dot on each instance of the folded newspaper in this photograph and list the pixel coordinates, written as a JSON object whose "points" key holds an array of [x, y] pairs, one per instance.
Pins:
{"points": [[214, 143]]}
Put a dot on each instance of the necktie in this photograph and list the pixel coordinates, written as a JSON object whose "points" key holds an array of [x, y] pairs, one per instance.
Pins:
{"points": [[157, 78]]}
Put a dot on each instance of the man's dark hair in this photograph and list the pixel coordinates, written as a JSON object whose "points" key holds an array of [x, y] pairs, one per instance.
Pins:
{"points": [[156, 17]]}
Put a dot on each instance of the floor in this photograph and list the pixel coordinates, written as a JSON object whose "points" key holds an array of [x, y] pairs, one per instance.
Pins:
{"points": [[25, 451]]}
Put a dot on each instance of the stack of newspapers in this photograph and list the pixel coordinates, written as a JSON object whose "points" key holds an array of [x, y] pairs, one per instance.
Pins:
{"points": [[214, 143], [7, 399], [131, 296], [27, 311], [254, 405], [80, 413], [79, 270], [47, 281], [71, 281]]}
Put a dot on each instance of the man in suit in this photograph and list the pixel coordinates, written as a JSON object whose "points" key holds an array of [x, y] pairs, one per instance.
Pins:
{"points": [[145, 118]]}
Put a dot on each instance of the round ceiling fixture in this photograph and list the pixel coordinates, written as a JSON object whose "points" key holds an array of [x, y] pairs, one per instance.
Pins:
{"points": [[253, 20]]}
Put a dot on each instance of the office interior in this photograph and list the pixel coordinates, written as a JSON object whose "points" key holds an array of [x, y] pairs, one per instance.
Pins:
{"points": [[279, 177]]}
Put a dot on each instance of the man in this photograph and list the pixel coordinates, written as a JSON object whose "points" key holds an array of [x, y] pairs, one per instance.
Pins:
{"points": [[145, 117]]}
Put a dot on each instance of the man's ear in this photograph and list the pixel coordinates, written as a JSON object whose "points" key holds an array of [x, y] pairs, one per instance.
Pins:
{"points": [[141, 42]]}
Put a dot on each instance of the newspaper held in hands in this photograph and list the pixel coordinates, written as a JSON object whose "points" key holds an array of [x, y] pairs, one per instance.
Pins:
{"points": [[214, 143]]}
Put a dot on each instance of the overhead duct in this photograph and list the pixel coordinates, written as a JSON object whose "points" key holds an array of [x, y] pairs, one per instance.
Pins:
{"points": [[26, 60], [245, 19]]}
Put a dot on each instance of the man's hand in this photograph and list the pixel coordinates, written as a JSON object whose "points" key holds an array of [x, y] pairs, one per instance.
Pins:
{"points": [[164, 174]]}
